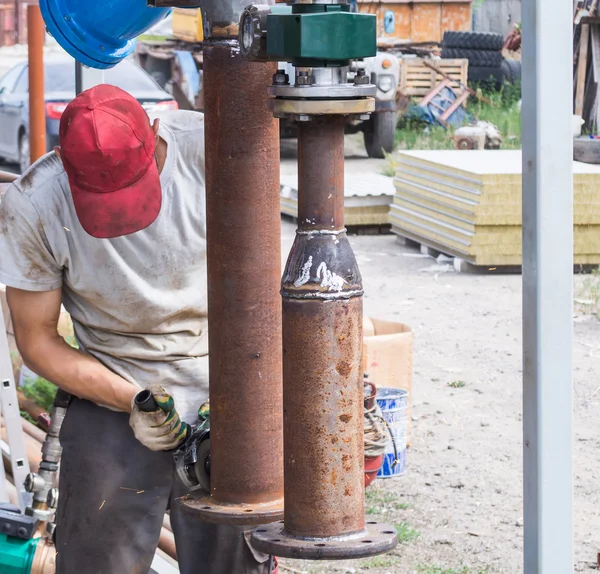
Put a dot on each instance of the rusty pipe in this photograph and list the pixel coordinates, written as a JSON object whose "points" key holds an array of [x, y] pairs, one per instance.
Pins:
{"points": [[243, 255], [322, 346], [244, 269], [37, 108]]}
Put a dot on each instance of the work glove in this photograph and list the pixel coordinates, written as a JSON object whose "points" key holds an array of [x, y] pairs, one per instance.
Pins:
{"points": [[161, 429]]}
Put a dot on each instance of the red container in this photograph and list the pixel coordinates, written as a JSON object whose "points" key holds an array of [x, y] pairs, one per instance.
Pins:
{"points": [[372, 466]]}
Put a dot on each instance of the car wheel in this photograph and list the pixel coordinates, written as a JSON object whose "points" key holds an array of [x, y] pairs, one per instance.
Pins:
{"points": [[24, 152], [380, 134]]}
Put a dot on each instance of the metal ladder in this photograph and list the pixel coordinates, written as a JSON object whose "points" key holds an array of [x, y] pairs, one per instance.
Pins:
{"points": [[9, 409]]}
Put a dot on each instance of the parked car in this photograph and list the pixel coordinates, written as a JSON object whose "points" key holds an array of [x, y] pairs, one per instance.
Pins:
{"points": [[59, 84]]}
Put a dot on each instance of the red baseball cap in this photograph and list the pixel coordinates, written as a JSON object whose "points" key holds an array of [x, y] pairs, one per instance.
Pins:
{"points": [[107, 149]]}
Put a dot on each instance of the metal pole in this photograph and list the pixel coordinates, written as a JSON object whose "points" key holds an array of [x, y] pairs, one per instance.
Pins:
{"points": [[322, 342], [244, 305], [86, 78], [37, 109], [547, 286]]}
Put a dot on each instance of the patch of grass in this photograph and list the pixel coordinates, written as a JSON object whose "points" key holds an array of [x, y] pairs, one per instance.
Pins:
{"points": [[379, 562], [457, 384], [40, 391], [587, 296], [391, 165], [502, 111], [378, 500], [406, 533]]}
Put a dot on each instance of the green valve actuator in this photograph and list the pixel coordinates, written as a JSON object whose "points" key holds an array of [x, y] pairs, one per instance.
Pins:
{"points": [[16, 555], [307, 35]]}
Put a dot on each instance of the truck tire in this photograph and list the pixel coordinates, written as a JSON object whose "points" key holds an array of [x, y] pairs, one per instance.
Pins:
{"points": [[586, 150], [473, 40], [478, 58], [493, 77], [512, 70], [380, 134]]}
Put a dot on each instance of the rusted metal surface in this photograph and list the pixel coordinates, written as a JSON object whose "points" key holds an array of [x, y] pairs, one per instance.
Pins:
{"points": [[321, 174], [37, 109], [323, 421], [322, 341], [377, 538], [202, 504], [244, 269]]}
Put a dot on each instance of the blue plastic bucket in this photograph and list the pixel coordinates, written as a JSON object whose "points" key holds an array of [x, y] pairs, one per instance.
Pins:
{"points": [[393, 404]]}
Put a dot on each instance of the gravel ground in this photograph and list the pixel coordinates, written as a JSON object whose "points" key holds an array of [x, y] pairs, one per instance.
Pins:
{"points": [[458, 509]]}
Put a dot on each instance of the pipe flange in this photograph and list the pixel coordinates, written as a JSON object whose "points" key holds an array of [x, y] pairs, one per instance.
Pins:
{"points": [[377, 538], [334, 92], [204, 507], [283, 108]]}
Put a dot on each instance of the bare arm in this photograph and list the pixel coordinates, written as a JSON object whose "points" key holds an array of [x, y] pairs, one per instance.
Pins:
{"points": [[35, 319]]}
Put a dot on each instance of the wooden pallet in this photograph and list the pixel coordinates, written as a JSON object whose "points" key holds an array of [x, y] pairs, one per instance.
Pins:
{"points": [[416, 79], [461, 265]]}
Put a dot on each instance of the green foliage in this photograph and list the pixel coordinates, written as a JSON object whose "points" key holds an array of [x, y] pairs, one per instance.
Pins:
{"points": [[406, 533], [40, 391], [588, 294], [457, 384], [391, 165], [28, 417], [378, 500], [384, 561], [502, 111]]}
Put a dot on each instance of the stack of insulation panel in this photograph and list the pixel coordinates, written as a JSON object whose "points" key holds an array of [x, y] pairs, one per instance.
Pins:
{"points": [[468, 204], [367, 196]]}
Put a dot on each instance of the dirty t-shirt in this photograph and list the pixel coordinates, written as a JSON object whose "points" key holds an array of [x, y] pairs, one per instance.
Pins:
{"points": [[138, 302]]}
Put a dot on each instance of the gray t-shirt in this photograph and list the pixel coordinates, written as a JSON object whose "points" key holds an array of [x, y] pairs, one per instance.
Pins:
{"points": [[138, 302]]}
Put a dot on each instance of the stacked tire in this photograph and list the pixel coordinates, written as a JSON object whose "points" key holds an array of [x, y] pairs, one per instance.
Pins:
{"points": [[484, 53]]}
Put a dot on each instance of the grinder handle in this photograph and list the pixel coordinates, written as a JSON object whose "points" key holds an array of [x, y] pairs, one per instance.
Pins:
{"points": [[145, 401]]}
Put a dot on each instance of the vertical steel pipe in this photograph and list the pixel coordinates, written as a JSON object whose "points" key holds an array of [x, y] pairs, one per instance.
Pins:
{"points": [[322, 342], [244, 270], [37, 108]]}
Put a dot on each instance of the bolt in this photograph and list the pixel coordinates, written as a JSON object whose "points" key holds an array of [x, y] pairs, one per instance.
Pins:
{"points": [[303, 79], [281, 78], [50, 528], [22, 532], [361, 77], [52, 498], [364, 116]]}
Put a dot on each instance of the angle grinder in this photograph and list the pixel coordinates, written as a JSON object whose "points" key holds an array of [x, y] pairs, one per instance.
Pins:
{"points": [[192, 457]]}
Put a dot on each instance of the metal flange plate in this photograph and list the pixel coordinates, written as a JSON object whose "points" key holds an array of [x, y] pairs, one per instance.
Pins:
{"points": [[376, 539], [280, 106], [206, 508], [335, 91]]}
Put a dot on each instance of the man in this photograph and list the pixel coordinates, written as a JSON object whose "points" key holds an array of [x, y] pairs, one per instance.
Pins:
{"points": [[112, 224]]}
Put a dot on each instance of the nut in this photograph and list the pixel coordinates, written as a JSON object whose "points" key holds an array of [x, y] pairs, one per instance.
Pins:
{"points": [[281, 78], [302, 118], [303, 79], [361, 77]]}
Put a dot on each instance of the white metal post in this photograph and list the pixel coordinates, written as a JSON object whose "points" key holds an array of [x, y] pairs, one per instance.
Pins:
{"points": [[547, 285]]}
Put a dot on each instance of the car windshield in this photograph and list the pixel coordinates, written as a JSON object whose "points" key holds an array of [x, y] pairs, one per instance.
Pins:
{"points": [[60, 77]]}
